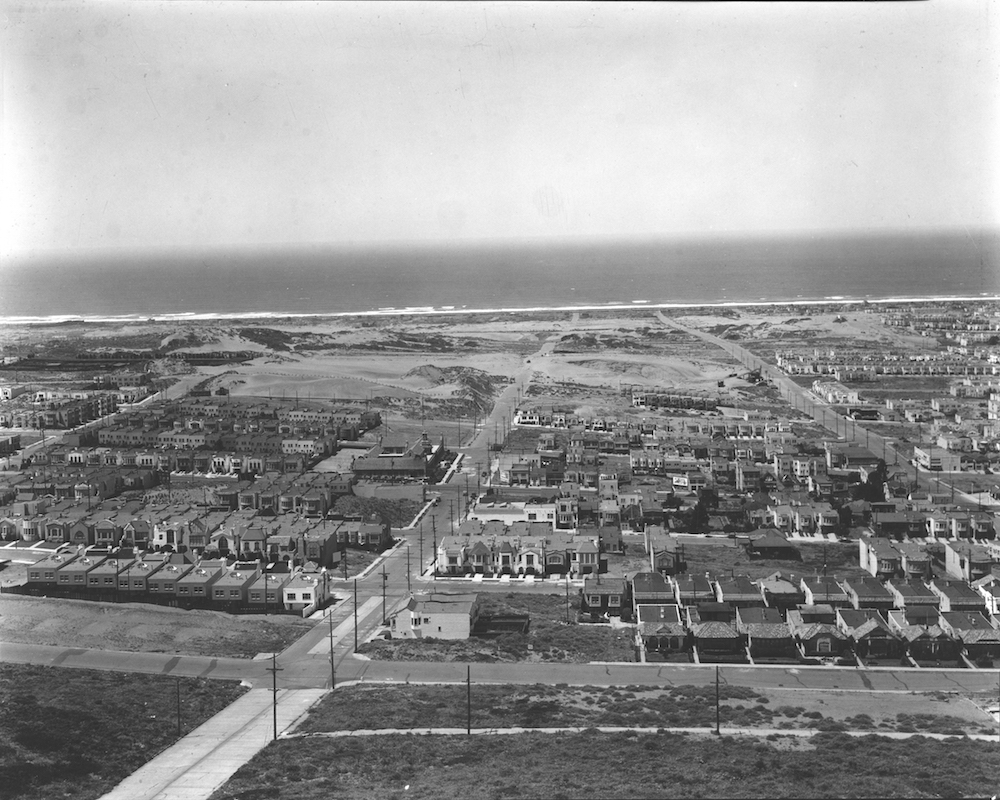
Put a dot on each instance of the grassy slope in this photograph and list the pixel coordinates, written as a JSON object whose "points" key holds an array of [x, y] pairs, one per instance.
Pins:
{"points": [[594, 765], [78, 733], [367, 707]]}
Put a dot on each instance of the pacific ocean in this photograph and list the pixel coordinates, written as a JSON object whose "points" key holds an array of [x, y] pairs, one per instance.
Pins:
{"points": [[277, 280]]}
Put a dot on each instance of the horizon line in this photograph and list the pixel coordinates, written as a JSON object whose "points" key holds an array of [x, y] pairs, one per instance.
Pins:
{"points": [[699, 237]]}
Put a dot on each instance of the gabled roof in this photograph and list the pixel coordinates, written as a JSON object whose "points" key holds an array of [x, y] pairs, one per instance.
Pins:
{"points": [[714, 630], [768, 630], [814, 629], [770, 540]]}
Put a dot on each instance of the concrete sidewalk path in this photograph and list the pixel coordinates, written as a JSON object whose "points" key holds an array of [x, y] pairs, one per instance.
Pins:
{"points": [[198, 764]]}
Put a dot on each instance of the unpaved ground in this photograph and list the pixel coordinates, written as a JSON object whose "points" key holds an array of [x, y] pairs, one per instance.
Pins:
{"points": [[142, 628]]}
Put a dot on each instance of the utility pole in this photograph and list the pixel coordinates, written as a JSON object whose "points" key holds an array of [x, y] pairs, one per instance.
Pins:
{"points": [[333, 669], [384, 579], [421, 547], [434, 561], [718, 730], [408, 590], [274, 669], [468, 700], [179, 708], [355, 615]]}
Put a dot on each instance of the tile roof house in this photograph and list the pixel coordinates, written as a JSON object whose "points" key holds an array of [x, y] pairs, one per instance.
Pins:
{"points": [[869, 633], [766, 632], [717, 641], [977, 635], [925, 639], [815, 632], [661, 628]]}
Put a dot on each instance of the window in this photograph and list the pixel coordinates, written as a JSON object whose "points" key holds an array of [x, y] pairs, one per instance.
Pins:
{"points": [[291, 596], [415, 622], [305, 596], [614, 600], [593, 599]]}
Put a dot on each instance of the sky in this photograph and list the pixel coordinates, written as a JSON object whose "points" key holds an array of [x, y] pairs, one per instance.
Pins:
{"points": [[198, 125]]}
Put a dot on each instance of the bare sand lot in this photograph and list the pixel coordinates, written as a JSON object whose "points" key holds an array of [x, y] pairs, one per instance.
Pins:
{"points": [[136, 627]]}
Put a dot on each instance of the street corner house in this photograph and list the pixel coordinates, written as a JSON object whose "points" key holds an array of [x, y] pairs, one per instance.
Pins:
{"points": [[436, 615]]}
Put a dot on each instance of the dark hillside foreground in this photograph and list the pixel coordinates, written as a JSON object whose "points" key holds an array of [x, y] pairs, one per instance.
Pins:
{"points": [[78, 733], [618, 765]]}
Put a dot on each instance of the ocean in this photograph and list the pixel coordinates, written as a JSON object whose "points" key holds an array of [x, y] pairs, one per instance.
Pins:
{"points": [[304, 281]]}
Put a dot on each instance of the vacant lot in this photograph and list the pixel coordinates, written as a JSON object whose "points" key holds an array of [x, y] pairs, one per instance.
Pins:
{"points": [[144, 628], [407, 707], [722, 560], [78, 733], [618, 765], [550, 637]]}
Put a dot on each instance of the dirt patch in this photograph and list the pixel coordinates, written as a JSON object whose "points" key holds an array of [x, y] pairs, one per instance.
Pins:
{"points": [[141, 628]]}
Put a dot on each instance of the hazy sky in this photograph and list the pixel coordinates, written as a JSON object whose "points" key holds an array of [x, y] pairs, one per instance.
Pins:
{"points": [[201, 124]]}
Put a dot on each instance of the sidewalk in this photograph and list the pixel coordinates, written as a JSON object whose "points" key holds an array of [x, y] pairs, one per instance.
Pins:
{"points": [[724, 731], [198, 764]]}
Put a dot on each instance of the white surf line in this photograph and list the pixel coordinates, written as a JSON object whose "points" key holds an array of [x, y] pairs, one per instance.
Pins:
{"points": [[406, 312], [347, 625]]}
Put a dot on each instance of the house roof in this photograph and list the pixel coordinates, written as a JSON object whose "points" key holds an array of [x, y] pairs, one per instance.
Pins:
{"points": [[768, 630], [658, 613], [662, 629], [814, 629], [757, 616], [442, 603], [966, 620], [867, 588], [770, 541], [714, 630], [650, 583], [913, 632]]}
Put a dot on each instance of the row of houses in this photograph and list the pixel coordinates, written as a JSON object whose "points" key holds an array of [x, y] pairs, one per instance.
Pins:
{"points": [[773, 617], [187, 459], [60, 414], [524, 548], [187, 528], [127, 575], [968, 561], [814, 634]]}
